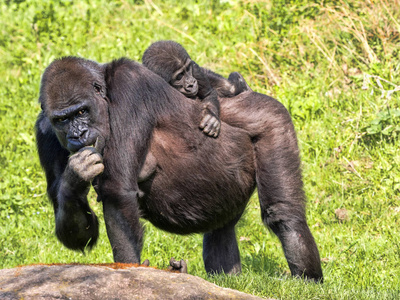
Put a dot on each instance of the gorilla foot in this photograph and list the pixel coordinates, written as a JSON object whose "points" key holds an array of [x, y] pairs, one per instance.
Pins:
{"points": [[238, 82], [175, 265]]}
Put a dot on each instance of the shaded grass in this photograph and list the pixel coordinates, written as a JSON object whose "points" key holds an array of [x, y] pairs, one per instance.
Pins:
{"points": [[311, 56]]}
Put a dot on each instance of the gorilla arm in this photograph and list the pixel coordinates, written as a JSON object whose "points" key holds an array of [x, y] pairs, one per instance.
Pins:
{"points": [[74, 216], [68, 182]]}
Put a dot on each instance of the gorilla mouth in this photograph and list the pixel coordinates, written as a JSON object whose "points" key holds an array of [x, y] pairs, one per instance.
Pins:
{"points": [[75, 146]]}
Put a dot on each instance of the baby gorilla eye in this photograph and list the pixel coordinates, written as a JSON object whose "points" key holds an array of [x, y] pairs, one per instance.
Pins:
{"points": [[179, 76]]}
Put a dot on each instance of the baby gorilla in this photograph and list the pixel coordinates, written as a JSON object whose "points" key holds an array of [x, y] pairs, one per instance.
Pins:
{"points": [[170, 60]]}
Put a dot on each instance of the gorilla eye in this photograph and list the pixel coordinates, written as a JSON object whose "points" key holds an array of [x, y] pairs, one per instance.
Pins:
{"points": [[82, 112], [60, 119], [179, 76]]}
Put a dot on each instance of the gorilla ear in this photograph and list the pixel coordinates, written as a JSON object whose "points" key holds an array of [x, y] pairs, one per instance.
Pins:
{"points": [[100, 90]]}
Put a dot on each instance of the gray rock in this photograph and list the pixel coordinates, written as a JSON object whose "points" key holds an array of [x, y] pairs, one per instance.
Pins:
{"points": [[104, 282]]}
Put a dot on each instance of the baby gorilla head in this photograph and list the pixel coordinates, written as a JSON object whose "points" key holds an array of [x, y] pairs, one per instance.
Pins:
{"points": [[184, 81], [170, 60]]}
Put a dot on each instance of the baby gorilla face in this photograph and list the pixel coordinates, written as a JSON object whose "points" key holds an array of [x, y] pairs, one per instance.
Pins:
{"points": [[184, 81]]}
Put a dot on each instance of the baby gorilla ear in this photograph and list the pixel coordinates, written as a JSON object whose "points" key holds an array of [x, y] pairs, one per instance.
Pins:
{"points": [[99, 89]]}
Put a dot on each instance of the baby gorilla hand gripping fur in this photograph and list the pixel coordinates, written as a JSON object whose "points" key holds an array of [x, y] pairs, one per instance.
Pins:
{"points": [[150, 160], [170, 60]]}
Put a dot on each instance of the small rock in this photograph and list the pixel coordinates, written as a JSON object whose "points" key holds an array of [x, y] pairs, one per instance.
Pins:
{"points": [[342, 214]]}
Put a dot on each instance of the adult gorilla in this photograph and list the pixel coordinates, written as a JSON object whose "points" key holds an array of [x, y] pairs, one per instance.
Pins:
{"points": [[137, 140]]}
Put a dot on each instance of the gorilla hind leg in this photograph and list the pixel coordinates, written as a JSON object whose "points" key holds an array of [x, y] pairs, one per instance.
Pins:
{"points": [[221, 252], [282, 200], [278, 176]]}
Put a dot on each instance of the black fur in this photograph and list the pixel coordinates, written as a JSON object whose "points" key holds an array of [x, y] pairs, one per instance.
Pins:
{"points": [[157, 165], [170, 60]]}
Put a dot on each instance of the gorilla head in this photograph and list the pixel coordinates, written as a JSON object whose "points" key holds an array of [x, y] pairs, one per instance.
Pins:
{"points": [[78, 114]]}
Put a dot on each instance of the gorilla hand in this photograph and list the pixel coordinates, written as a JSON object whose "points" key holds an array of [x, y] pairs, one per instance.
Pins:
{"points": [[83, 166], [210, 124]]}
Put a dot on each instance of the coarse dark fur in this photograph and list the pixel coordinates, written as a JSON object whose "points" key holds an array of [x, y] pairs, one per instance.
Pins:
{"points": [[170, 60], [141, 150]]}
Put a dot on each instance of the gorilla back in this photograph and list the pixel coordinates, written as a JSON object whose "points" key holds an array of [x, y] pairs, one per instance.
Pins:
{"points": [[136, 140]]}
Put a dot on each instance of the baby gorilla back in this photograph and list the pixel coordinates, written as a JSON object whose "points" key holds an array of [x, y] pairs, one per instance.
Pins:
{"points": [[193, 191]]}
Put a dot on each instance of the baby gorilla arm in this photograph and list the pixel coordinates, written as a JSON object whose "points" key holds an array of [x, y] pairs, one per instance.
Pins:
{"points": [[210, 122]]}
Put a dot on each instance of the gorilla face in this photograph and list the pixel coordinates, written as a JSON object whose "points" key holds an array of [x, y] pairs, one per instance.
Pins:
{"points": [[77, 126], [184, 81], [76, 106]]}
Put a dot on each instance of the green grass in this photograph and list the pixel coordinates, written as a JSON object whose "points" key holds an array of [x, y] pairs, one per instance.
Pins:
{"points": [[313, 56]]}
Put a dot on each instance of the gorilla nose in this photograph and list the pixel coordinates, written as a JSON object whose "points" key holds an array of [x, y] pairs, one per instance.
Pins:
{"points": [[76, 134]]}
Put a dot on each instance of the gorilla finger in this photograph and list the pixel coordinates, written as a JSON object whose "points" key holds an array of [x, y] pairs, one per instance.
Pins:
{"points": [[205, 120], [77, 156], [76, 163], [94, 158], [206, 130], [219, 127], [88, 151], [84, 158], [215, 123], [216, 130], [74, 159], [210, 126], [212, 131], [80, 156], [216, 133]]}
